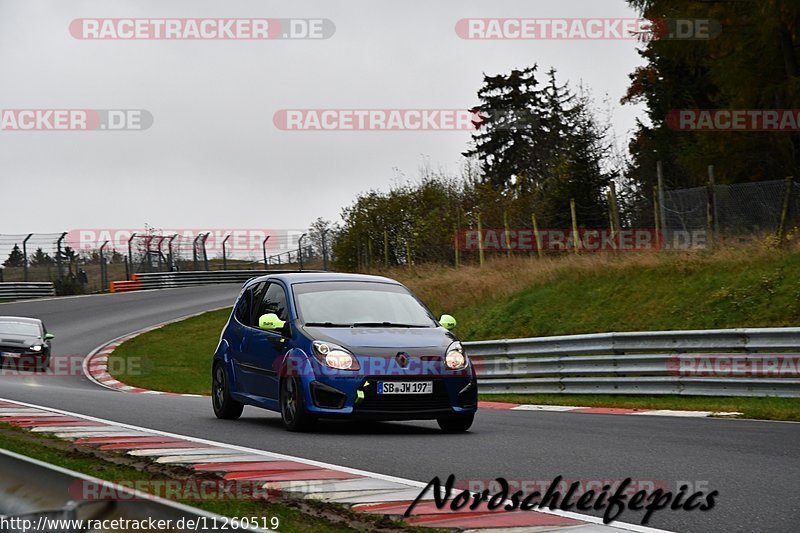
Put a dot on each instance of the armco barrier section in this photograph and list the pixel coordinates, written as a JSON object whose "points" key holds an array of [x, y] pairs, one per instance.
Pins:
{"points": [[20, 290], [34, 492], [727, 362], [168, 280]]}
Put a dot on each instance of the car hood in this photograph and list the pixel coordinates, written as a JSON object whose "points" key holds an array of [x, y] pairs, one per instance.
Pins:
{"points": [[18, 341], [391, 338]]}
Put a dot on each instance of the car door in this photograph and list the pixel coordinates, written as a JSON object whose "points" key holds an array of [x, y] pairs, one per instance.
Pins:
{"points": [[263, 351], [240, 332]]}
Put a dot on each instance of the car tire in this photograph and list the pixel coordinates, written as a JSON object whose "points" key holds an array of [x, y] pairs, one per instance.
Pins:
{"points": [[456, 424], [225, 407], [293, 410]]}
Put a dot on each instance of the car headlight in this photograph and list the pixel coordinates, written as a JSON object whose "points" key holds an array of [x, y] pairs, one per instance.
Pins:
{"points": [[334, 356], [36, 348], [455, 359]]}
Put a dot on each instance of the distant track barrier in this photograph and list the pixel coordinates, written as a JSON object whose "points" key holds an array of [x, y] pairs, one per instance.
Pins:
{"points": [[726, 362], [168, 280], [20, 290]]}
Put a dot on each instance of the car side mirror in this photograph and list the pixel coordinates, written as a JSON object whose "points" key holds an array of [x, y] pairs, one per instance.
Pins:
{"points": [[447, 322], [49, 336], [270, 322]]}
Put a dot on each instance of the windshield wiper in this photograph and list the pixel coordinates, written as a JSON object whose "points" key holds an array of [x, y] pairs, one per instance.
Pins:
{"points": [[385, 325], [326, 325]]}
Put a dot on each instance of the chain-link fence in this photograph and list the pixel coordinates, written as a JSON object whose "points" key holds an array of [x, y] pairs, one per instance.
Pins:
{"points": [[86, 261], [694, 218], [743, 210]]}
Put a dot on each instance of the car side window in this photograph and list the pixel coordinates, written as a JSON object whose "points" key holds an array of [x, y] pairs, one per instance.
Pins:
{"points": [[274, 301], [244, 306], [255, 308]]}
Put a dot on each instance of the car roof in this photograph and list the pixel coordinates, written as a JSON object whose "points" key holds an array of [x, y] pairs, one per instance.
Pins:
{"points": [[306, 277], [20, 319]]}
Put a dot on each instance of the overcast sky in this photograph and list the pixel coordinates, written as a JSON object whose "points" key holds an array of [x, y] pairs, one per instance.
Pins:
{"points": [[213, 158]]}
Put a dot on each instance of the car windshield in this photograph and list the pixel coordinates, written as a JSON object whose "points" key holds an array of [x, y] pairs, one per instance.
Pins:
{"points": [[25, 329], [359, 304]]}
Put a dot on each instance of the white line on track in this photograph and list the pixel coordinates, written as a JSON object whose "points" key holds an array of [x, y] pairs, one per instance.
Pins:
{"points": [[409, 482]]}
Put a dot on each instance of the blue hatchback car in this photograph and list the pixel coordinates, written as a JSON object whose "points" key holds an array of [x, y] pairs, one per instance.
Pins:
{"points": [[339, 346]]}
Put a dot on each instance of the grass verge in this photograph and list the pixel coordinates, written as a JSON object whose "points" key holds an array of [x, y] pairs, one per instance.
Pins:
{"points": [[174, 358], [294, 516]]}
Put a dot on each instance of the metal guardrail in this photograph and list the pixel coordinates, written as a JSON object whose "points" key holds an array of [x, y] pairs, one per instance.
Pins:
{"points": [[33, 490], [167, 280], [750, 362], [20, 290]]}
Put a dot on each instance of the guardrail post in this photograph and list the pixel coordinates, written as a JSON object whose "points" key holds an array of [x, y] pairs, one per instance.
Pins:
{"points": [[300, 250], [205, 255], [58, 256], [224, 257], [129, 266], [25, 255]]}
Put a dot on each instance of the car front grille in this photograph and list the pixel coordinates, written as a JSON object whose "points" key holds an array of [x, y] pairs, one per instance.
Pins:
{"points": [[396, 403]]}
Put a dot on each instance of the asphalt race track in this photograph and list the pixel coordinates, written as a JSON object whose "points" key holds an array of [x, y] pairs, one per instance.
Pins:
{"points": [[754, 465]]}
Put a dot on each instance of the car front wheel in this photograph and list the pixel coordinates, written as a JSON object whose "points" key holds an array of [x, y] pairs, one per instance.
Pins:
{"points": [[456, 424], [225, 407], [293, 410]]}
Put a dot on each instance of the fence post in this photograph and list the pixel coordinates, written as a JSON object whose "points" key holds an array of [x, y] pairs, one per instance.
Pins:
{"points": [[507, 231], [617, 225], [576, 241], [537, 236], [662, 213], [264, 249], [787, 201], [711, 209], [224, 253], [58, 256], [25, 255], [657, 217], [324, 250], [455, 238], [385, 249], [170, 256], [480, 240], [194, 252], [300, 251], [129, 265], [205, 255], [103, 275]]}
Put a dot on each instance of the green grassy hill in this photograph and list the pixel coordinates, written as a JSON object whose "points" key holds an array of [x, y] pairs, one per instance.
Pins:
{"points": [[743, 287]]}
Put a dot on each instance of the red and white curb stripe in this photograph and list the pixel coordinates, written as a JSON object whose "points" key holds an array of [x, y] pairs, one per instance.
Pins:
{"points": [[603, 410], [362, 491], [95, 365]]}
